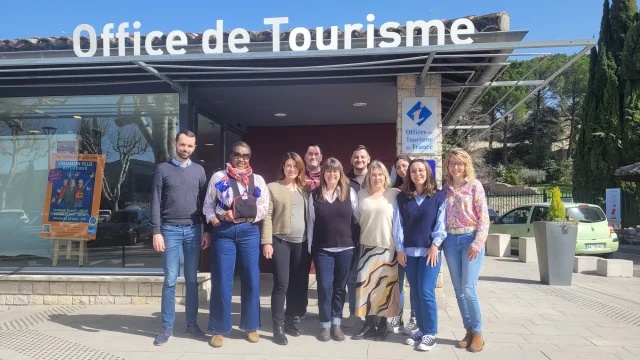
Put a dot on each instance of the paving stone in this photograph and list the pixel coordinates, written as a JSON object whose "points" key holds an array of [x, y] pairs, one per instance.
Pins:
{"points": [[556, 339]]}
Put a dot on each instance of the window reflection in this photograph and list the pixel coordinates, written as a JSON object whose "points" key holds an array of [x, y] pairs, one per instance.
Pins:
{"points": [[38, 136]]}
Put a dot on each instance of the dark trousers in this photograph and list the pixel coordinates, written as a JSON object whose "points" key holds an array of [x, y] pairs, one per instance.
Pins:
{"points": [[332, 272], [291, 263]]}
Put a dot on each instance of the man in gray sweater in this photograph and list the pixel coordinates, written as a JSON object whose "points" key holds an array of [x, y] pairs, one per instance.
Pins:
{"points": [[179, 188]]}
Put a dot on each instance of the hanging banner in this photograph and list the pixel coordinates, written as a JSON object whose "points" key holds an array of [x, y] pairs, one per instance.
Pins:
{"points": [[73, 194], [614, 208]]}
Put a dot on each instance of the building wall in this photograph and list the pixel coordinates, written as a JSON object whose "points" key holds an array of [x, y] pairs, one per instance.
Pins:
{"points": [[269, 144]]}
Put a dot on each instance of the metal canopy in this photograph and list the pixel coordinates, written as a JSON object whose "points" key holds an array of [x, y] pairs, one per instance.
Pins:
{"points": [[464, 68]]}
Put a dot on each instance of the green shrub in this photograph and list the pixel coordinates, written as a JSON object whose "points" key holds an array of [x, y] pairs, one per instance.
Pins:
{"points": [[557, 211], [552, 170], [512, 177], [532, 176]]}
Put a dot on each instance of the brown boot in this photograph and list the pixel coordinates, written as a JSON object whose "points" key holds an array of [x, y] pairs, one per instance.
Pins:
{"points": [[464, 343], [336, 333], [253, 336], [216, 341], [477, 343]]}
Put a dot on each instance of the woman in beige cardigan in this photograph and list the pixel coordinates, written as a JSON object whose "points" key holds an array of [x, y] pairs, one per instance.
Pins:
{"points": [[284, 242]]}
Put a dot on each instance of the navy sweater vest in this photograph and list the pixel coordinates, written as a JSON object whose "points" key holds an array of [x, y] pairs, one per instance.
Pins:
{"points": [[419, 221]]}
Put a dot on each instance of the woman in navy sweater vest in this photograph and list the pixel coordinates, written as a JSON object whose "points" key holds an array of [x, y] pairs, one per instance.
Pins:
{"points": [[418, 231]]}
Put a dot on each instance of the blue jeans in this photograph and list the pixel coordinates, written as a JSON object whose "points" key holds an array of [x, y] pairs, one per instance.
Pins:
{"points": [[401, 276], [229, 242], [332, 272], [464, 277], [422, 279], [185, 239], [352, 280]]}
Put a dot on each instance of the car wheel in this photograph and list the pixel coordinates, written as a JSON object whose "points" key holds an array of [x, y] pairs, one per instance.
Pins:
{"points": [[134, 238]]}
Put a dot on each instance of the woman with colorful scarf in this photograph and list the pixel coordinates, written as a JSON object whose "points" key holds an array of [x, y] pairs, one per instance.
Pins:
{"points": [[236, 200]]}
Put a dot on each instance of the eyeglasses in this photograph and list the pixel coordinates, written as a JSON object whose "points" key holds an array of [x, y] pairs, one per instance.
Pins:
{"points": [[456, 164], [243, 156]]}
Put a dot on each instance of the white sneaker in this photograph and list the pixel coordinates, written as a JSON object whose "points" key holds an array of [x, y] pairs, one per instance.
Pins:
{"points": [[416, 338], [349, 322], [428, 342], [410, 328], [394, 325]]}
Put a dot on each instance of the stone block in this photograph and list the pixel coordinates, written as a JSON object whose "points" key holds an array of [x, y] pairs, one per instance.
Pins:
{"points": [[58, 288], [131, 289], [615, 268], [585, 264], [144, 289], [2, 299], [20, 299], [116, 289], [25, 287], [80, 300], [180, 289], [9, 287], [65, 300], [41, 288], [50, 300], [75, 288], [36, 300], [527, 250], [407, 81], [91, 288], [123, 300], [156, 290], [153, 300], [138, 300], [102, 300], [8, 299], [104, 288], [498, 245], [180, 300]]}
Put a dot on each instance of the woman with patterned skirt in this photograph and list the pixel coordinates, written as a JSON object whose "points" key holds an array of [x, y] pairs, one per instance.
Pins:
{"points": [[377, 292]]}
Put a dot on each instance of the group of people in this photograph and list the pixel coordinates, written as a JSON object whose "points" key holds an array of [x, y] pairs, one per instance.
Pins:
{"points": [[363, 234]]}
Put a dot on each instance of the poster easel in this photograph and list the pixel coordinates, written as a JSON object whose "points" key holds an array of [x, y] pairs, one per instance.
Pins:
{"points": [[81, 252]]}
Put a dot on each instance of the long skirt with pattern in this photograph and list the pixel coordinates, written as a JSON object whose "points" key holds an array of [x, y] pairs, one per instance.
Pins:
{"points": [[377, 290]]}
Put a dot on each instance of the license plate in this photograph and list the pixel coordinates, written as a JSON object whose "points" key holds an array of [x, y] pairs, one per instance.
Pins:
{"points": [[594, 246]]}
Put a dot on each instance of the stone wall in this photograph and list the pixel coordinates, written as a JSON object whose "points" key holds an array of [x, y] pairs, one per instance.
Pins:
{"points": [[90, 290], [629, 235]]}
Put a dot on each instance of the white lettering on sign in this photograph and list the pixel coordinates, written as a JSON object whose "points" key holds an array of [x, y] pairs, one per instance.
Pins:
{"points": [[420, 131], [461, 29]]}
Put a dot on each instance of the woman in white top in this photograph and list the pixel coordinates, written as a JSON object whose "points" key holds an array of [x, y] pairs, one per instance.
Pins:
{"points": [[332, 206], [377, 292]]}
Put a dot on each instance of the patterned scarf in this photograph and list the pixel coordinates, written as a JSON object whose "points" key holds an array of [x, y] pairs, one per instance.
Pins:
{"points": [[240, 175]]}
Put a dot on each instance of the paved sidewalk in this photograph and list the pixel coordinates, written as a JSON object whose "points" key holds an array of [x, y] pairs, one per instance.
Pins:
{"points": [[596, 318]]}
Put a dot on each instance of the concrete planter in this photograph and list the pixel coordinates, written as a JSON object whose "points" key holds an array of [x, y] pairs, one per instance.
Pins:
{"points": [[556, 248]]}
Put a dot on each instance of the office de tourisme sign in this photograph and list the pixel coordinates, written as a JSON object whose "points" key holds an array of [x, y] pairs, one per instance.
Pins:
{"points": [[239, 37]]}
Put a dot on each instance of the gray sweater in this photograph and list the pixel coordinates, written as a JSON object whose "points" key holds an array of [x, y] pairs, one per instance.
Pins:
{"points": [[177, 195]]}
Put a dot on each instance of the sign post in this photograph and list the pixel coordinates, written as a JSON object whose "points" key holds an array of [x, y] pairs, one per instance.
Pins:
{"points": [[614, 208]]}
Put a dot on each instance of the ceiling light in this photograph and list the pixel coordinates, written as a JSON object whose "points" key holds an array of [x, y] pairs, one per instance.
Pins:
{"points": [[77, 117], [208, 144], [34, 131], [280, 114], [360, 104], [201, 160]]}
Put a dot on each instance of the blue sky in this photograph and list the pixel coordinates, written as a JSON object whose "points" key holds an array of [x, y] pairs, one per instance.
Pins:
{"points": [[546, 19]]}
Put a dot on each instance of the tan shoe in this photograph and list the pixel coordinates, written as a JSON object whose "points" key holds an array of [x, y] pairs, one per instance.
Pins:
{"points": [[477, 343], [466, 342], [216, 341], [253, 336]]}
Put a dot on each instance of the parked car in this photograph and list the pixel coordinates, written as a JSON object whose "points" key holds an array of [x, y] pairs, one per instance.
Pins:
{"points": [[104, 215], [595, 234], [125, 227], [493, 215], [10, 215]]}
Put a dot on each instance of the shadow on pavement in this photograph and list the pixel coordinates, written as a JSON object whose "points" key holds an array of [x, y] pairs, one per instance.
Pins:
{"points": [[508, 280]]}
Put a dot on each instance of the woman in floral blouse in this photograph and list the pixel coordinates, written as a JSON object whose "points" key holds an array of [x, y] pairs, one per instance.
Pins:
{"points": [[467, 228]]}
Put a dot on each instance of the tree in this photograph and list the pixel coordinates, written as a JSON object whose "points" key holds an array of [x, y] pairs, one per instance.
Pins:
{"points": [[630, 74], [571, 95]]}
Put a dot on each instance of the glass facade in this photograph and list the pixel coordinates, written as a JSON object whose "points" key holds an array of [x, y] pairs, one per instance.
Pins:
{"points": [[75, 178]]}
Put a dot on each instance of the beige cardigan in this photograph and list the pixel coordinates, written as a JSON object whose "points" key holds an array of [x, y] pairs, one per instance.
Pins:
{"points": [[278, 218]]}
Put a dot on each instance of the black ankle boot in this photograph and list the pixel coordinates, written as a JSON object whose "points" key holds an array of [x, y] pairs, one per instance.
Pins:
{"points": [[382, 332], [368, 330], [290, 327], [278, 335]]}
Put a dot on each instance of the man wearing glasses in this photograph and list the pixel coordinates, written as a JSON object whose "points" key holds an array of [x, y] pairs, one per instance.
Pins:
{"points": [[236, 200]]}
